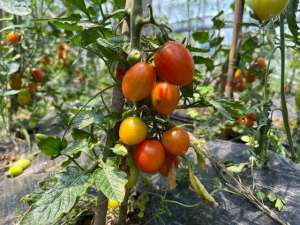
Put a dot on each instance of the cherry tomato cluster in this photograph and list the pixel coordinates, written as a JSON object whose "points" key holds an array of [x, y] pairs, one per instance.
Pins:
{"points": [[244, 78], [15, 80], [174, 67]]}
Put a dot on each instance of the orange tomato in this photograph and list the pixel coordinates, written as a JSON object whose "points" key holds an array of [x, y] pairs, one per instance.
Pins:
{"points": [[132, 131], [149, 156], [12, 38], [238, 74], [176, 141], [170, 160], [15, 81], [165, 97], [37, 73], [138, 81], [174, 63]]}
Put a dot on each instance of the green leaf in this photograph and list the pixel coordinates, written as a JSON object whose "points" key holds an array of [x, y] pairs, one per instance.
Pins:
{"points": [[271, 197], [50, 146], [260, 195], [111, 182], [187, 90], [237, 168], [67, 26], [13, 68], [77, 147], [79, 4], [59, 200], [279, 204], [291, 13], [200, 189], [16, 7], [119, 149], [73, 17], [209, 63], [86, 118], [201, 36], [78, 134]]}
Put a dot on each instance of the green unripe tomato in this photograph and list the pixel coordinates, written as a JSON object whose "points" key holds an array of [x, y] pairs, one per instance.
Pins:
{"points": [[266, 9], [23, 163], [24, 97], [14, 170], [297, 98], [134, 57]]}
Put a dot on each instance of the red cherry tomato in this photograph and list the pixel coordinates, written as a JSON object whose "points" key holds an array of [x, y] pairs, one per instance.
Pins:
{"points": [[176, 141], [165, 97], [174, 63], [170, 160], [138, 81], [37, 73], [261, 62], [149, 156]]}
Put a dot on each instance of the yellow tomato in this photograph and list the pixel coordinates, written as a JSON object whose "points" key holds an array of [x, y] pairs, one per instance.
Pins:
{"points": [[14, 170], [266, 9], [24, 163], [132, 131], [113, 204]]}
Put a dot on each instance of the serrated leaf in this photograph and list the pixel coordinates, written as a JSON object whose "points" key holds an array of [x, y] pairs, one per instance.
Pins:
{"points": [[77, 147], [16, 7], [119, 149], [200, 189], [86, 118], [59, 200], [49, 145], [111, 182], [279, 204]]}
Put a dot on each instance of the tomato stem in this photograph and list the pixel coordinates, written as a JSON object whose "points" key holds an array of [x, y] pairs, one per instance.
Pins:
{"points": [[285, 114]]}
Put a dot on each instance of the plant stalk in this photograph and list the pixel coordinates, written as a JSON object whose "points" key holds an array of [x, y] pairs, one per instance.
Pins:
{"points": [[285, 114]]}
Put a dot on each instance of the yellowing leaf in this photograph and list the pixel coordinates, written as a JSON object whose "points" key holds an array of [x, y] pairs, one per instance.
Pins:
{"points": [[237, 168], [199, 188]]}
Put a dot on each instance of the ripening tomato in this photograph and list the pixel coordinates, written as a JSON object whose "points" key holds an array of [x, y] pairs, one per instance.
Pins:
{"points": [[240, 85], [32, 87], [297, 98], [165, 97], [176, 141], [266, 9], [174, 63], [149, 156], [238, 74], [132, 131], [24, 97], [15, 81], [138, 81], [250, 76], [248, 120], [260, 62], [37, 73], [12, 38], [45, 60], [170, 161]]}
